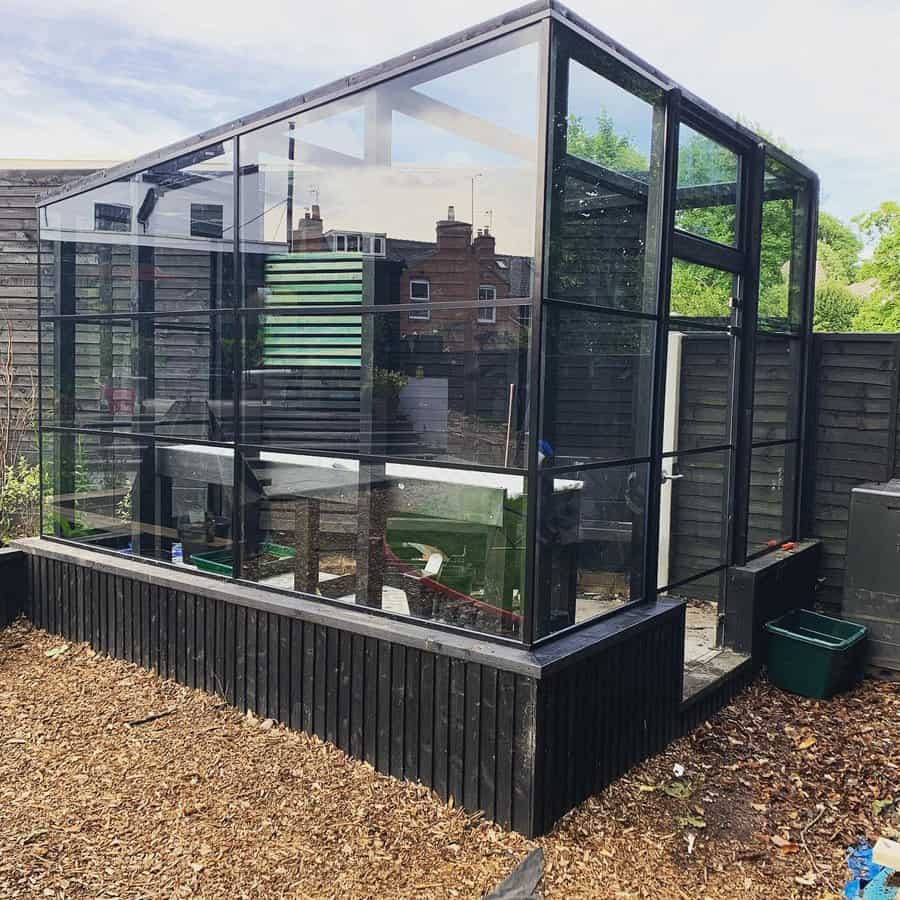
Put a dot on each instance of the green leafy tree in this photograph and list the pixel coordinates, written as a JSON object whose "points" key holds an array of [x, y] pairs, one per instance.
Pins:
{"points": [[880, 312], [605, 146], [836, 307], [838, 248], [703, 163], [883, 226]]}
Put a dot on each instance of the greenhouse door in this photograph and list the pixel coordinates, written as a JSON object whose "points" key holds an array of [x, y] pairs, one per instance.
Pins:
{"points": [[699, 385]]}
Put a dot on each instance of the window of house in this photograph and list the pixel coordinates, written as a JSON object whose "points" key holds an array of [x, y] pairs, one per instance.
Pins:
{"points": [[206, 220], [487, 294], [112, 217], [353, 243], [340, 242], [420, 292], [378, 246], [525, 315]]}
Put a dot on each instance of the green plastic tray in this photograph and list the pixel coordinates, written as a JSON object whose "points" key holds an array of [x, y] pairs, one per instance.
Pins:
{"points": [[814, 655], [219, 562]]}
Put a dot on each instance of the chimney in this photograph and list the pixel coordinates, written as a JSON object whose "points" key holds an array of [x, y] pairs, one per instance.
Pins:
{"points": [[307, 235], [453, 236], [485, 245]]}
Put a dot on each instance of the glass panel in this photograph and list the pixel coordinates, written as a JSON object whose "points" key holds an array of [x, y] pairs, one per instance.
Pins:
{"points": [[772, 487], [776, 388], [437, 169], [169, 376], [590, 544], [699, 292], [158, 241], [605, 195], [167, 502], [598, 379], [694, 513], [706, 198], [446, 545], [450, 388], [783, 250], [699, 371]]}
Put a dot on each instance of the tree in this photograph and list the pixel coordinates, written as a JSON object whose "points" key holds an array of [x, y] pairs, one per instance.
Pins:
{"points": [[604, 146], [836, 307], [883, 225], [838, 248], [880, 312]]}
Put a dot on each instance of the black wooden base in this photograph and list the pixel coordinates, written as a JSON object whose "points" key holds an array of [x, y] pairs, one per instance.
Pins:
{"points": [[12, 584], [521, 735], [765, 588]]}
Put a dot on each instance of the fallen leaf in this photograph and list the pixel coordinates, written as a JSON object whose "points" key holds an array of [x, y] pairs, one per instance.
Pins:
{"points": [[56, 651], [784, 845], [678, 789], [691, 821], [806, 743]]}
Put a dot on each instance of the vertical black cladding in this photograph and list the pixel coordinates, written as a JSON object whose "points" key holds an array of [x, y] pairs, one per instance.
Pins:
{"points": [[14, 577], [603, 714], [522, 749]]}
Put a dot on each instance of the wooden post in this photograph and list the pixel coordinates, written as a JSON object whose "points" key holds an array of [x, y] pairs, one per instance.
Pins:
{"points": [[306, 542]]}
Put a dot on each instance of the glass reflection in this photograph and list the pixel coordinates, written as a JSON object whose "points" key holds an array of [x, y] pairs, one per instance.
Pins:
{"points": [[377, 384], [772, 488], [783, 249], [694, 518], [698, 387], [598, 379], [158, 241], [777, 388], [421, 189], [447, 545], [387, 246], [168, 502], [707, 188], [165, 376], [590, 544], [699, 292], [605, 177]]}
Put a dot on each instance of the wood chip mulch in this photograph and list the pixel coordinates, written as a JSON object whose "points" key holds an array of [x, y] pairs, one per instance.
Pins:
{"points": [[193, 799]]}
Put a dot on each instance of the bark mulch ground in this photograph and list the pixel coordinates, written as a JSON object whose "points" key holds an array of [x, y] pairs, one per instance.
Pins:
{"points": [[202, 801]]}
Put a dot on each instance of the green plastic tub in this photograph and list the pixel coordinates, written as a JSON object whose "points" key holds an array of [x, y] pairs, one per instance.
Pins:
{"points": [[814, 655], [219, 562]]}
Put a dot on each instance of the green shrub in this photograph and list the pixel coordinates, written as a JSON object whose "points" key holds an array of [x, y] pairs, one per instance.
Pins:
{"points": [[20, 497]]}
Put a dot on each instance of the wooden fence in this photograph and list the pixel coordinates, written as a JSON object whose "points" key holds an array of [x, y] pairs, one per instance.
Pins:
{"points": [[855, 403], [19, 279]]}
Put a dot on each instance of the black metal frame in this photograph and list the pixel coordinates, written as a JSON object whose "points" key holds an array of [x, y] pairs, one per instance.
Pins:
{"points": [[556, 25]]}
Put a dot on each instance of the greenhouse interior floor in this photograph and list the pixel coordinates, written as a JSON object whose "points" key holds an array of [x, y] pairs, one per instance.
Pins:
{"points": [[704, 662]]}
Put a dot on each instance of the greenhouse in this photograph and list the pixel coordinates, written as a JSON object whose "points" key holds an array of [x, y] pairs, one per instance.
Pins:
{"points": [[437, 411]]}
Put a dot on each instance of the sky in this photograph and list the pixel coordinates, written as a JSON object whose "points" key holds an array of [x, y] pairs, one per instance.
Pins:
{"points": [[86, 79]]}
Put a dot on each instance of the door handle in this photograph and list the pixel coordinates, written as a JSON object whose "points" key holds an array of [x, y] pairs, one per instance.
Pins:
{"points": [[668, 476]]}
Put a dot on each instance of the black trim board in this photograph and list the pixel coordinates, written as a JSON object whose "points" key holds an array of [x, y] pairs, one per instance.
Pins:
{"points": [[544, 660]]}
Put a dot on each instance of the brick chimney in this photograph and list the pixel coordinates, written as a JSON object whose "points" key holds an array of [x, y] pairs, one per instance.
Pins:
{"points": [[453, 236], [308, 233], [485, 245]]}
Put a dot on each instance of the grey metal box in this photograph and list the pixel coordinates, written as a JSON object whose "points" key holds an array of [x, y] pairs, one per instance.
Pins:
{"points": [[872, 581]]}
